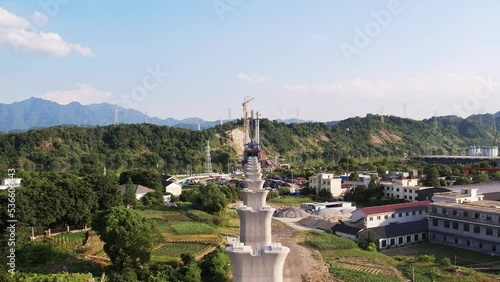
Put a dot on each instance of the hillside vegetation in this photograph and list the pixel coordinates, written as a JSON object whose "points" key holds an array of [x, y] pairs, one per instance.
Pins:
{"points": [[173, 149]]}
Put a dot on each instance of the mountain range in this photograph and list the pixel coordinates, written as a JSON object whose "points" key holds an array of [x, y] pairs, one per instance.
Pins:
{"points": [[34, 113]]}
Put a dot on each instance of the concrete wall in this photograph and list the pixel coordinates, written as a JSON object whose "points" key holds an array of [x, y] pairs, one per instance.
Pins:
{"points": [[382, 219]]}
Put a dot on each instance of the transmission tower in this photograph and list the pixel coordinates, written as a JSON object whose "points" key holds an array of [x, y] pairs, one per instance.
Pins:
{"points": [[404, 110], [298, 113], [145, 117], [116, 115], [494, 124], [435, 120], [208, 160], [382, 114], [229, 114]]}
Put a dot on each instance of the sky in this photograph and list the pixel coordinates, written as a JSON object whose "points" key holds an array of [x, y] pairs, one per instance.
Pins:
{"points": [[316, 60]]}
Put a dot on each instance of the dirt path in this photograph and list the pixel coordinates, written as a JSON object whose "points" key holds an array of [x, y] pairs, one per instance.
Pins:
{"points": [[302, 263]]}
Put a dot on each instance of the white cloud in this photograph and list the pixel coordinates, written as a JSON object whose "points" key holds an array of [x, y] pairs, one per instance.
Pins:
{"points": [[19, 34], [85, 94], [251, 78], [352, 87], [40, 19]]}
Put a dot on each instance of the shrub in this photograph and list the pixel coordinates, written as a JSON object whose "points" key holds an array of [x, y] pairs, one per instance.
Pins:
{"points": [[426, 258]]}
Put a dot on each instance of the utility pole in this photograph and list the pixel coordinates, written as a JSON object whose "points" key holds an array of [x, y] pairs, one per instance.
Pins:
{"points": [[116, 115]]}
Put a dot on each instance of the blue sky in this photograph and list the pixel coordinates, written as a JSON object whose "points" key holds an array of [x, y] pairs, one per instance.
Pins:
{"points": [[331, 59]]}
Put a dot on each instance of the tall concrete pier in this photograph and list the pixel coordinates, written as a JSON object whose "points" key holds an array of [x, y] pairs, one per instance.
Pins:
{"points": [[255, 258]]}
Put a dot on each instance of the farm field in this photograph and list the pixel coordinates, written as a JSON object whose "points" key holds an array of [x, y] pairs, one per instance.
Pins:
{"points": [[188, 231], [424, 262]]}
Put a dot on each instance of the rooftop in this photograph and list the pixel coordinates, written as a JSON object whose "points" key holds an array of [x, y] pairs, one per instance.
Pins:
{"points": [[400, 229], [395, 207], [484, 206]]}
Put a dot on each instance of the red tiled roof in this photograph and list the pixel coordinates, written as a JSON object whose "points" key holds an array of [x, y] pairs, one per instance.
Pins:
{"points": [[395, 207], [344, 185]]}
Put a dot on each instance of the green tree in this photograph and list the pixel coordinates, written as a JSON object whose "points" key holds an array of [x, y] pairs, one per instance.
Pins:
{"points": [[215, 267], [148, 178], [126, 235], [374, 182], [210, 198], [129, 198], [107, 190], [190, 270], [480, 177], [354, 176], [431, 176]]}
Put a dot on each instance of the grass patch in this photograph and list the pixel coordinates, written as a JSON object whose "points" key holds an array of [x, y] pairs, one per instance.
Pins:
{"points": [[171, 252], [290, 201], [464, 257], [182, 228], [328, 241], [348, 275]]}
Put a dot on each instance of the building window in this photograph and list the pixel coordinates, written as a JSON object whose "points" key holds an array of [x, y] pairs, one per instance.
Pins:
{"points": [[413, 212], [400, 240], [489, 231], [408, 239], [370, 218], [454, 212], [443, 210], [456, 240], [488, 217], [434, 222], [393, 242], [444, 238], [397, 189], [424, 235], [393, 215], [384, 243], [480, 245], [386, 217], [407, 213], [415, 237], [405, 190], [466, 227], [455, 225], [433, 209], [420, 212], [476, 229], [494, 248], [378, 217], [466, 214], [400, 215], [468, 242], [476, 215], [446, 224], [433, 236], [406, 197], [411, 198]]}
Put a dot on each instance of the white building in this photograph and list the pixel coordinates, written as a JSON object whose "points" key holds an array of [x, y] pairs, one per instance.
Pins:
{"points": [[326, 181], [140, 191], [326, 205], [390, 214], [465, 195], [10, 182], [402, 188]]}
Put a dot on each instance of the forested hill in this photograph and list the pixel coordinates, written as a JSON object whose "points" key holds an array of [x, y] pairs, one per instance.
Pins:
{"points": [[172, 149]]}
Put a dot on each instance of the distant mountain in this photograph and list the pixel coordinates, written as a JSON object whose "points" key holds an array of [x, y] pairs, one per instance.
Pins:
{"points": [[39, 113]]}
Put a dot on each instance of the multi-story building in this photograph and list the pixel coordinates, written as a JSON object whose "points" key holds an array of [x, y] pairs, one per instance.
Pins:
{"points": [[404, 188], [391, 214], [462, 219], [326, 181], [389, 226]]}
